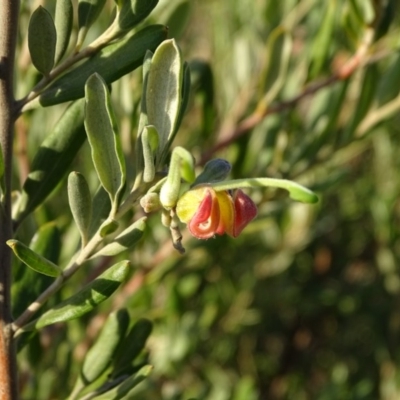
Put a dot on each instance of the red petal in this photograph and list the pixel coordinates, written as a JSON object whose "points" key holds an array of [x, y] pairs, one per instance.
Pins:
{"points": [[245, 211], [205, 221]]}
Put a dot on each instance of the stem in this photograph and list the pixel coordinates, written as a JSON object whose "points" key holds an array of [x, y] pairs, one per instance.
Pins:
{"points": [[8, 33]]}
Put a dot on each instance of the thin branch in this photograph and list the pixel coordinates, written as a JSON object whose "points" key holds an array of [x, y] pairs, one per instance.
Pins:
{"points": [[8, 33]]}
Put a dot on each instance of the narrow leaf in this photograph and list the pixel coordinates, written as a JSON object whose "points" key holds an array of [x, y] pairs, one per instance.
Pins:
{"points": [[80, 203], [53, 159], [296, 191], [125, 240], [86, 299], [103, 138], [100, 355], [111, 63], [42, 38], [132, 12], [122, 391], [215, 170], [88, 11], [143, 120], [131, 347], [27, 284], [164, 91], [63, 24], [33, 260], [150, 145]]}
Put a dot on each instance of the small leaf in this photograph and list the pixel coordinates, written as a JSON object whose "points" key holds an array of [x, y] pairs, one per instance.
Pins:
{"points": [[131, 12], [214, 171], [104, 141], [164, 92], [42, 38], [150, 145], [125, 240], [33, 260], [88, 11], [53, 159], [108, 226], [80, 202], [63, 24], [131, 347], [111, 63], [100, 355], [86, 299], [122, 391]]}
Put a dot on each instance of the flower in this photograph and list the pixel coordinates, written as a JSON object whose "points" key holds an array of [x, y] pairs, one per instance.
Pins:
{"points": [[208, 212]]}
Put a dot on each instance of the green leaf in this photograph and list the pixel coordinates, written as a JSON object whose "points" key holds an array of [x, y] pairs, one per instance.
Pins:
{"points": [[122, 391], [108, 226], [33, 260], [131, 347], [88, 11], [143, 120], [323, 39], [101, 203], [42, 38], [27, 284], [53, 159], [86, 299], [111, 63], [150, 145], [63, 23], [296, 191], [125, 240], [103, 138], [131, 12], [100, 355], [164, 92], [80, 203]]}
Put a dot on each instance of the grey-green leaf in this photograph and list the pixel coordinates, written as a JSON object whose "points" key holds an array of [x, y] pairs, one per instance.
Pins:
{"points": [[80, 202], [103, 138], [99, 356], [125, 240], [53, 159], [86, 299], [42, 39], [132, 12], [164, 91], [88, 11], [33, 260], [63, 23], [150, 142], [111, 63]]}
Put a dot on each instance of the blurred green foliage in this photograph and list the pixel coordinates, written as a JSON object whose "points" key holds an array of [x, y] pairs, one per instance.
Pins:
{"points": [[305, 304]]}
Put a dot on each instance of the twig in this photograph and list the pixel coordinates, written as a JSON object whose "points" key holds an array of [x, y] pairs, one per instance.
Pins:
{"points": [[8, 34]]}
